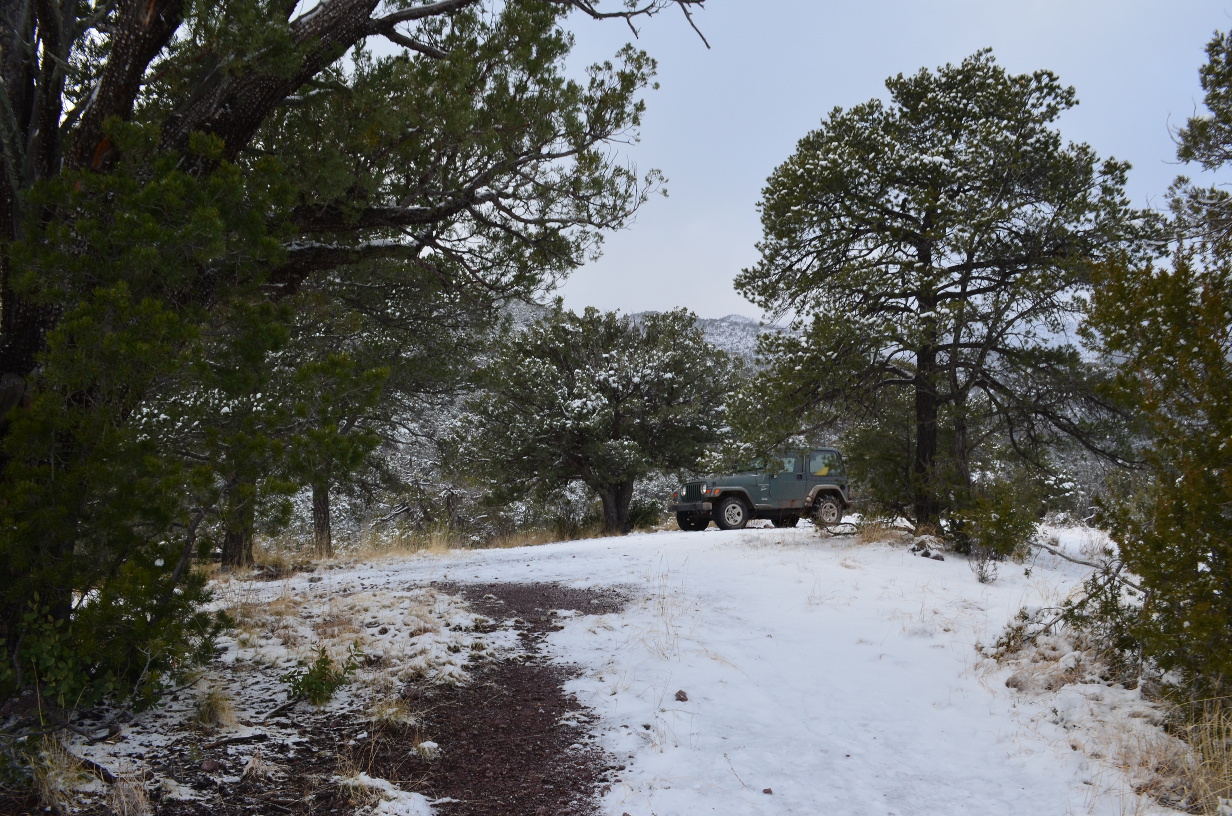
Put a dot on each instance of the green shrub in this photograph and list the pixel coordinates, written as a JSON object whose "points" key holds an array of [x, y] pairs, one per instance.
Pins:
{"points": [[645, 513], [1001, 518], [317, 681]]}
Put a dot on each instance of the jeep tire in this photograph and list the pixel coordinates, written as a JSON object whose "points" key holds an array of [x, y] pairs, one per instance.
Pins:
{"points": [[731, 513], [827, 511]]}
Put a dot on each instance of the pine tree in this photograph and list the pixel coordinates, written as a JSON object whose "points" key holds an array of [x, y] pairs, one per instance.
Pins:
{"points": [[937, 243]]}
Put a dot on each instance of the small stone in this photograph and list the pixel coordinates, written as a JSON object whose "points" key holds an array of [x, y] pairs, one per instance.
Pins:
{"points": [[681, 697], [316, 579], [384, 630], [938, 557], [211, 765], [767, 790]]}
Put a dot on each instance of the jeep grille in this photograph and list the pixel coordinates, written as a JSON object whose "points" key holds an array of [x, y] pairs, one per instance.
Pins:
{"points": [[693, 492]]}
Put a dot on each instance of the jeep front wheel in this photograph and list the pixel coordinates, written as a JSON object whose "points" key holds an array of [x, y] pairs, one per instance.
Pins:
{"points": [[691, 522], [731, 514], [827, 511]]}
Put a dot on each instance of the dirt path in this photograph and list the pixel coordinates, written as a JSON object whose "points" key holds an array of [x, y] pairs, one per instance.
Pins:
{"points": [[511, 742]]}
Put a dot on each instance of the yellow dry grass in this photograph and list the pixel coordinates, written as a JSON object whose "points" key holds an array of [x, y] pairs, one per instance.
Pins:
{"points": [[214, 707], [56, 773], [874, 532], [1208, 775]]}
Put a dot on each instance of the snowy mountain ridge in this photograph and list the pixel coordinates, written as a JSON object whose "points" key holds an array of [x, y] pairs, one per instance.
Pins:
{"points": [[735, 334]]}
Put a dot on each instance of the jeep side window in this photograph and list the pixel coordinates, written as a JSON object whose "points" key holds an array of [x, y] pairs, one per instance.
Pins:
{"points": [[825, 463], [789, 464]]}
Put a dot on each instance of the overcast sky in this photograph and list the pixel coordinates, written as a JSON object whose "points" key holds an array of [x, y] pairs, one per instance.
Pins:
{"points": [[724, 118]]}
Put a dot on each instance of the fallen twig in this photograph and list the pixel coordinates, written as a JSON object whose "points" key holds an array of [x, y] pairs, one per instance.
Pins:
{"points": [[289, 704], [733, 770], [255, 737]]}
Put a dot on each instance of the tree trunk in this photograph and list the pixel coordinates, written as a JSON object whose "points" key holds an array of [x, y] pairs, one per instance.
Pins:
{"points": [[616, 500], [923, 473], [322, 534], [927, 406], [237, 537], [961, 450]]}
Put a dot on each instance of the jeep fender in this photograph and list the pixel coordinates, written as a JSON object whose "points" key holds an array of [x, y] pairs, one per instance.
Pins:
{"points": [[821, 490], [735, 491]]}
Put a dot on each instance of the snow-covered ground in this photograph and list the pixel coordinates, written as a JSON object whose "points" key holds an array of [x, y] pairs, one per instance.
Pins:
{"points": [[773, 671], [841, 678]]}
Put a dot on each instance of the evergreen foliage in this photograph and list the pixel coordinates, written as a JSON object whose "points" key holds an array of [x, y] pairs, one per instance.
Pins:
{"points": [[936, 244], [1173, 330], [191, 193], [599, 399], [1170, 328]]}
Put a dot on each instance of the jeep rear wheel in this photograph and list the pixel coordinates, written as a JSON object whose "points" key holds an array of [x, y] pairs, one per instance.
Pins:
{"points": [[731, 514], [827, 511], [691, 522]]}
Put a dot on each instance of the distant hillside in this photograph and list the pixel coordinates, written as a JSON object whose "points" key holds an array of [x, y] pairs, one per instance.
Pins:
{"points": [[735, 334]]}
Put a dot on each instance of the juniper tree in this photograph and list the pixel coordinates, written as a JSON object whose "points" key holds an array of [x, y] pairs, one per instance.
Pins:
{"points": [[169, 166], [938, 243], [599, 399], [1170, 329]]}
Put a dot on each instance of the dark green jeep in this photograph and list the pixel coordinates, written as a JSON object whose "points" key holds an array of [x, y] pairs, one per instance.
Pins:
{"points": [[792, 485]]}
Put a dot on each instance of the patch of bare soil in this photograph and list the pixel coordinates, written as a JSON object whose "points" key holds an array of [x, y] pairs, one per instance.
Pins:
{"points": [[510, 742]]}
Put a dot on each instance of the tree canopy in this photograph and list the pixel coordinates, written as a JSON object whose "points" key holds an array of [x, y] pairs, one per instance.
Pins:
{"points": [[183, 184], [599, 399], [938, 243]]}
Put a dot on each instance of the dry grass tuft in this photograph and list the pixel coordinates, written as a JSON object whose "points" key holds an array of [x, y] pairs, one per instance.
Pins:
{"points": [[873, 532], [1209, 774], [214, 708], [400, 541], [525, 538], [129, 797], [284, 606], [392, 713], [357, 786], [56, 773], [258, 767], [335, 626]]}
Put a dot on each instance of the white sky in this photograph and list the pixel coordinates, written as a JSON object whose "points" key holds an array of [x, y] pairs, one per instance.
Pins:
{"points": [[723, 119]]}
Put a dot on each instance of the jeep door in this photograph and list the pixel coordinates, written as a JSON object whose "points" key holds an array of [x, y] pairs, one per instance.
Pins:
{"points": [[788, 487]]}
